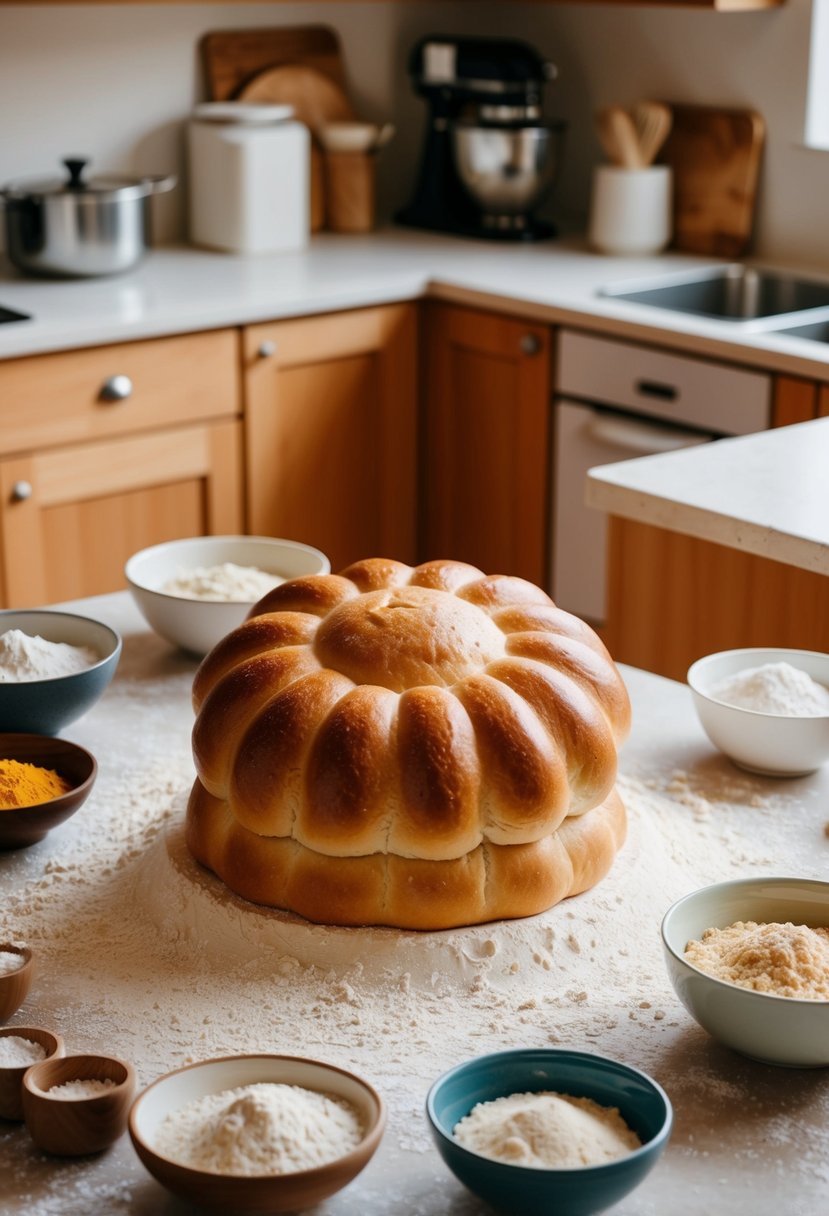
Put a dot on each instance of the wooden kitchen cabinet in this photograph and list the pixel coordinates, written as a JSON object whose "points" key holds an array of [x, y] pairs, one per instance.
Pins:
{"points": [[673, 598], [88, 477], [798, 400], [485, 454], [331, 432]]}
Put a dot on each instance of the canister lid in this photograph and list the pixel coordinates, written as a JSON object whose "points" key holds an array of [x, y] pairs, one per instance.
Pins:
{"points": [[247, 112]]}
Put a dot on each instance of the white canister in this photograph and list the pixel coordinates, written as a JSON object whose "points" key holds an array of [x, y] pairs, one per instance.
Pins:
{"points": [[249, 178], [631, 209]]}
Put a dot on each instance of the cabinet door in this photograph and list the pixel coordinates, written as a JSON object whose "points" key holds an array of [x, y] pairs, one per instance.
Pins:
{"points": [[674, 598], [486, 453], [71, 516], [331, 432]]}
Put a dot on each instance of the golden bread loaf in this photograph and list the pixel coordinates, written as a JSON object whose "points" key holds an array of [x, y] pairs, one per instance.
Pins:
{"points": [[419, 747]]}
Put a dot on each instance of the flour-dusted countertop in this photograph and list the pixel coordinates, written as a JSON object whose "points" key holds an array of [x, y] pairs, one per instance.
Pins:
{"points": [[766, 494], [141, 954], [178, 290]]}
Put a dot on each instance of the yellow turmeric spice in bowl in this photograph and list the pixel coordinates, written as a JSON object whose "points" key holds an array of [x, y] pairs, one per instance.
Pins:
{"points": [[24, 784]]}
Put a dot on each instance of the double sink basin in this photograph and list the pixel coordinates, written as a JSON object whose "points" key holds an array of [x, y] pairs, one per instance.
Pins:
{"points": [[765, 299]]}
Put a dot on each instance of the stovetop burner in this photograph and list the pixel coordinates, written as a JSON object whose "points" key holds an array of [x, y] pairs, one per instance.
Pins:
{"points": [[8, 314]]}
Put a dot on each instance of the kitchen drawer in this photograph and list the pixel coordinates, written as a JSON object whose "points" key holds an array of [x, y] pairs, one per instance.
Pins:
{"points": [[48, 400], [689, 391]]}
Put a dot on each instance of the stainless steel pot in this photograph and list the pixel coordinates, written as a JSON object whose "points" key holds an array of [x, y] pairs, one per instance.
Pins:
{"points": [[77, 227]]}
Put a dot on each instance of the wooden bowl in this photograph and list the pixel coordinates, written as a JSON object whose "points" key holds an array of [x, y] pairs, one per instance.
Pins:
{"points": [[15, 985], [25, 825], [259, 1193], [73, 1127], [11, 1076]]}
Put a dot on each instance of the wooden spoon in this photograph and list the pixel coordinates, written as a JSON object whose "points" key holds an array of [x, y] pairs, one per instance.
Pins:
{"points": [[617, 133], [652, 120]]}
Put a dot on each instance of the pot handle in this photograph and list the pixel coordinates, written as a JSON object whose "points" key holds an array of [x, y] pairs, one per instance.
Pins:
{"points": [[159, 185]]}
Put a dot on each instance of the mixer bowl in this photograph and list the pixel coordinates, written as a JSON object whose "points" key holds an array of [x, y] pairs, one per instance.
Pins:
{"points": [[507, 170]]}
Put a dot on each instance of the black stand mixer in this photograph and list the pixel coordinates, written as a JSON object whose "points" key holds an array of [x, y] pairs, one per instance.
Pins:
{"points": [[487, 160]]}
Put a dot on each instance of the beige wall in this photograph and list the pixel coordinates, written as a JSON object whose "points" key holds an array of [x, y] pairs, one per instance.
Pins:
{"points": [[117, 82]]}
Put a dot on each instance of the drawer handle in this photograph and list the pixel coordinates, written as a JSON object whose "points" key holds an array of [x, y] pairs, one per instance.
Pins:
{"points": [[116, 388], [266, 349], [656, 388], [21, 490], [530, 344]]}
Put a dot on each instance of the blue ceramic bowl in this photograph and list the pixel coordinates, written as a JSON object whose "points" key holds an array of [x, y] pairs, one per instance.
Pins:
{"points": [[45, 707], [525, 1191]]}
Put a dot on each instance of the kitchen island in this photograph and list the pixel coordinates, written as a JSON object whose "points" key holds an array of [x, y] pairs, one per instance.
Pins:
{"points": [[766, 494], [142, 955]]}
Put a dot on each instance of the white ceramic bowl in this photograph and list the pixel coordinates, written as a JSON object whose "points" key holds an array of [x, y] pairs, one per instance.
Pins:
{"points": [[771, 744], [261, 1193], [197, 625], [774, 1029]]}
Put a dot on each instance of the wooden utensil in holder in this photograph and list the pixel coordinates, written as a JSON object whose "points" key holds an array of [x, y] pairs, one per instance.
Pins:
{"points": [[350, 186]]}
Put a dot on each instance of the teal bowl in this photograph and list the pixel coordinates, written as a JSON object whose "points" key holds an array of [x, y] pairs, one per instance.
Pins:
{"points": [[45, 707], [527, 1191]]}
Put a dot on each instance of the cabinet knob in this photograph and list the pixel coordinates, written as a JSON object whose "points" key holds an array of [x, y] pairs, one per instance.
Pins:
{"points": [[116, 388], [266, 349], [530, 344], [21, 490]]}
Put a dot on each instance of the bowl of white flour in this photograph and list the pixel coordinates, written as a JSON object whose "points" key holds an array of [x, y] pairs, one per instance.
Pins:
{"points": [[543, 1130], [194, 591], [766, 708], [54, 666], [264, 1133]]}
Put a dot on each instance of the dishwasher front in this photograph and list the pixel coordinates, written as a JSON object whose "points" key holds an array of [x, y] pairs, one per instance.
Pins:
{"points": [[615, 401]]}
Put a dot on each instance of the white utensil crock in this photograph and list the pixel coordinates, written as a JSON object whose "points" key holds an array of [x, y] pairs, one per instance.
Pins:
{"points": [[631, 209]]}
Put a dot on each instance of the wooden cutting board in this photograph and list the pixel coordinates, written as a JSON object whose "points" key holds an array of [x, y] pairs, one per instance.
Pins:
{"points": [[241, 65], [317, 99], [715, 155], [232, 58]]}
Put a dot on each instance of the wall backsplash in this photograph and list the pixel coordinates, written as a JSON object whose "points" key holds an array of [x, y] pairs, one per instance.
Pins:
{"points": [[116, 83]]}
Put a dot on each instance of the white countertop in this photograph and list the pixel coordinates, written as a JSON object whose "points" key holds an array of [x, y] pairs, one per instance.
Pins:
{"points": [[766, 493], [749, 1139], [178, 290]]}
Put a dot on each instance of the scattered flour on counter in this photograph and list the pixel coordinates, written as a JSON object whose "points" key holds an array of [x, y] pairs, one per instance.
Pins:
{"points": [[774, 688], [144, 955], [226, 582], [24, 658], [266, 1128], [546, 1130]]}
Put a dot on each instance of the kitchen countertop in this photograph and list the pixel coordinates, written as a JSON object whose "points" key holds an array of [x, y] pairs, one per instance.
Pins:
{"points": [[178, 290], [766, 493], [750, 1139]]}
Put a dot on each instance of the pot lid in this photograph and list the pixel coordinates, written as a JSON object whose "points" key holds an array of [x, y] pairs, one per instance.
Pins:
{"points": [[247, 112], [97, 188]]}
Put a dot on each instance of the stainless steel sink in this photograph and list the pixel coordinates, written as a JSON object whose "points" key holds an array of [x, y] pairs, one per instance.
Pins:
{"points": [[729, 293], [817, 331]]}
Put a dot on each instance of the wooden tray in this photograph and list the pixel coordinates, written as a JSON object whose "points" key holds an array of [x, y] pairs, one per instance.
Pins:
{"points": [[715, 155], [232, 58]]}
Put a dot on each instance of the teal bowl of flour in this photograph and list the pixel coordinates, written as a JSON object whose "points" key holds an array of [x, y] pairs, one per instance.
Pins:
{"points": [[529, 1190], [39, 692]]}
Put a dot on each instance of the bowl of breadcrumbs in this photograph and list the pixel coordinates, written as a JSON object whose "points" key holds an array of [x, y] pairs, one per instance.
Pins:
{"points": [[749, 960]]}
